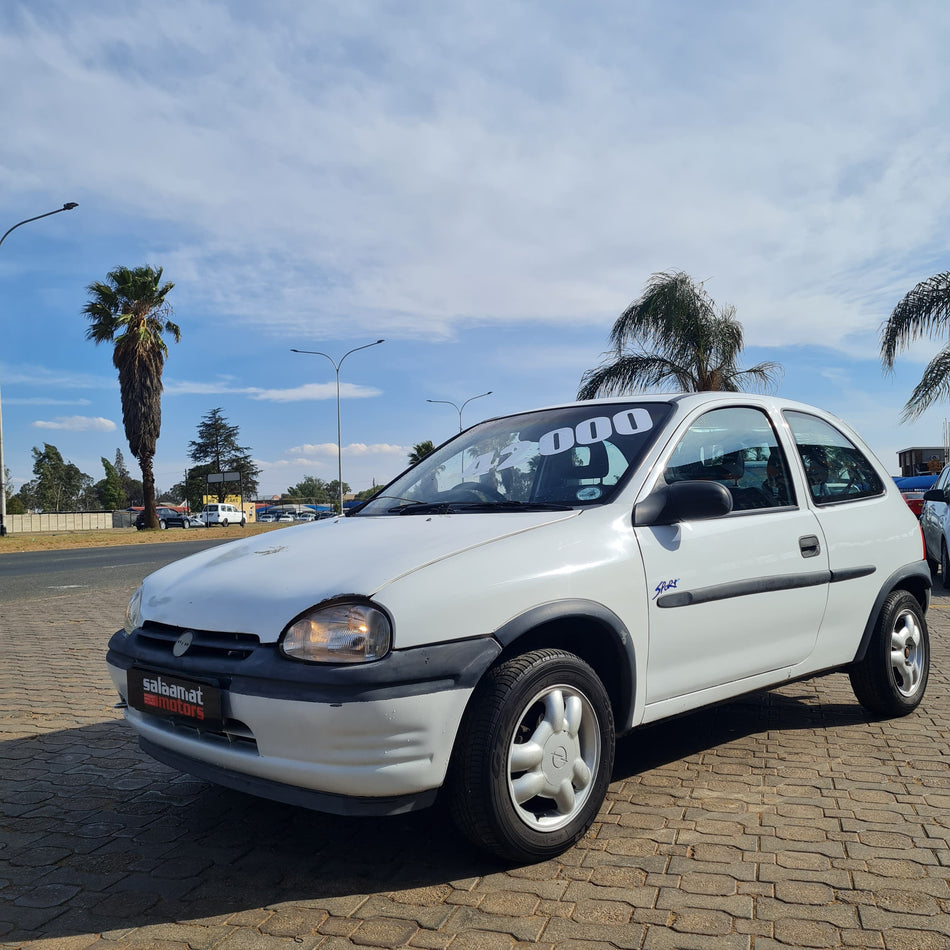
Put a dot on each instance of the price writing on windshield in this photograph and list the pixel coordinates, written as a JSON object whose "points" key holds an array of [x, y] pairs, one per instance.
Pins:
{"points": [[588, 432]]}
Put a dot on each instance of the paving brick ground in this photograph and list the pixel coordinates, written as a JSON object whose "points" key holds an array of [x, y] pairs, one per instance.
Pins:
{"points": [[788, 819]]}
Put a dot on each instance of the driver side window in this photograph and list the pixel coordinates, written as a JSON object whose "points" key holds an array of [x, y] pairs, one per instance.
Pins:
{"points": [[736, 447]]}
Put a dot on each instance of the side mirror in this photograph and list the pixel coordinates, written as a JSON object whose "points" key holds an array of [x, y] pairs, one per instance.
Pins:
{"points": [[683, 501], [935, 494]]}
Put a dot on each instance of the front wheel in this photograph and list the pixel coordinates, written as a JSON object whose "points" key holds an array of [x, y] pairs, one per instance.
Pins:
{"points": [[533, 757], [892, 677]]}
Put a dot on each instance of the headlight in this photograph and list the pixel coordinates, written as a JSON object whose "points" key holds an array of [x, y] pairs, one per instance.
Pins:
{"points": [[339, 633], [133, 613]]}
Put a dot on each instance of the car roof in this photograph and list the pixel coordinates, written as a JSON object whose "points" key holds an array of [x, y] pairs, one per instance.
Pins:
{"points": [[685, 402]]}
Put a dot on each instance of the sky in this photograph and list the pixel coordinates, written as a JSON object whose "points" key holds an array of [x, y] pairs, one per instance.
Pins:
{"points": [[485, 186]]}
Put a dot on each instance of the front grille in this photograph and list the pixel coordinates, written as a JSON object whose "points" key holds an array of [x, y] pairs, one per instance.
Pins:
{"points": [[205, 644], [232, 733]]}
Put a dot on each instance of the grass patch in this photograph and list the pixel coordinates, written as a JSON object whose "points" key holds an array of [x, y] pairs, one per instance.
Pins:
{"points": [[69, 540]]}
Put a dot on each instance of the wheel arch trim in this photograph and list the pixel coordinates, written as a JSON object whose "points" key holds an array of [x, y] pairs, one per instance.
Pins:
{"points": [[915, 579], [579, 610]]}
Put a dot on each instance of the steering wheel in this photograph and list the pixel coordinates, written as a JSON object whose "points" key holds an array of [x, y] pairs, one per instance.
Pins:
{"points": [[480, 491]]}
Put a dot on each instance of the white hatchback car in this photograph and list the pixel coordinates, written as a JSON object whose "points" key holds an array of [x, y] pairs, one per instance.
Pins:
{"points": [[490, 621]]}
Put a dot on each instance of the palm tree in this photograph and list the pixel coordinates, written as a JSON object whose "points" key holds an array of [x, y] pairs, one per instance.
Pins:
{"points": [[674, 334], [131, 311], [420, 450], [924, 312]]}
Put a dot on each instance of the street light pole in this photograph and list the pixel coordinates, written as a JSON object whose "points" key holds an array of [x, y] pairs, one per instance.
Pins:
{"points": [[464, 404], [339, 428], [3, 487]]}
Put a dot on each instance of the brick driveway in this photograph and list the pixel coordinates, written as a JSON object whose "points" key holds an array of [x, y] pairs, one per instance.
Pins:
{"points": [[782, 820]]}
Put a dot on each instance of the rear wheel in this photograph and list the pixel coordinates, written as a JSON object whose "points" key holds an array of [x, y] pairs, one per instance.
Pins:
{"points": [[533, 757], [892, 677]]}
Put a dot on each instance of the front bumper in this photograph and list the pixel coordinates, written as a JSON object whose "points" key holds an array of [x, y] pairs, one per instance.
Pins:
{"points": [[367, 738]]}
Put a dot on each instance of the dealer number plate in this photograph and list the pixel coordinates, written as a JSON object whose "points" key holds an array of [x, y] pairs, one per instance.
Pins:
{"points": [[161, 695]]}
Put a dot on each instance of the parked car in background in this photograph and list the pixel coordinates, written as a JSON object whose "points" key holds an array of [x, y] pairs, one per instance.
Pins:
{"points": [[266, 518], [935, 524], [285, 516], [223, 515], [167, 518], [487, 624], [912, 489]]}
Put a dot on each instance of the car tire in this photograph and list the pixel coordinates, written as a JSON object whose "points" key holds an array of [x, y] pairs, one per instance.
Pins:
{"points": [[224, 522], [185, 523], [533, 757], [891, 678], [243, 522], [161, 524]]}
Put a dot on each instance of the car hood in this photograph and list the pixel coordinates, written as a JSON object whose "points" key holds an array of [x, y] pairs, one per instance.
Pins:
{"points": [[259, 584]]}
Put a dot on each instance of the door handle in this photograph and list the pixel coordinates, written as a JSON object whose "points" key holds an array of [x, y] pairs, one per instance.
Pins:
{"points": [[809, 545]]}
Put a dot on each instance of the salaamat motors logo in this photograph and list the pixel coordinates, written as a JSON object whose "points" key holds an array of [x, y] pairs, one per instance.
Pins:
{"points": [[171, 698]]}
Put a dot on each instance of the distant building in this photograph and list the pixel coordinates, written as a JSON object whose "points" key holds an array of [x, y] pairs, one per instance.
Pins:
{"points": [[921, 461]]}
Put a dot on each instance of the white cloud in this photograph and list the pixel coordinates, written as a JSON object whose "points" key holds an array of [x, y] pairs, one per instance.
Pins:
{"points": [[306, 393], [77, 424], [46, 401], [416, 173], [314, 391]]}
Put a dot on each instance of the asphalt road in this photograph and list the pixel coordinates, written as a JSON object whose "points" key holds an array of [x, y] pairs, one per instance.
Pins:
{"points": [[25, 575]]}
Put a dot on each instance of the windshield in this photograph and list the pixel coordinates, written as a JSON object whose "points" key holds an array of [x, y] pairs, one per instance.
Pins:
{"points": [[555, 458]]}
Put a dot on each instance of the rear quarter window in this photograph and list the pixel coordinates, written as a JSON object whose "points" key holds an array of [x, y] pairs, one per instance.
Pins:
{"points": [[836, 469]]}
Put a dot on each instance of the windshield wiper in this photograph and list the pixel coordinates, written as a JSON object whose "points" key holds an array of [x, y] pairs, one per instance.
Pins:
{"points": [[452, 507]]}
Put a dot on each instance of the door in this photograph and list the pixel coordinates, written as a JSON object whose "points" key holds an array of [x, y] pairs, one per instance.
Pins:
{"points": [[740, 595]]}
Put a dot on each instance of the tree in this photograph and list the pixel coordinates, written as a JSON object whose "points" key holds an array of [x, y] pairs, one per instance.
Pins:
{"points": [[674, 334], [195, 486], [333, 490], [420, 450], [109, 491], [59, 485], [217, 447], [923, 312], [130, 311], [310, 489], [131, 486]]}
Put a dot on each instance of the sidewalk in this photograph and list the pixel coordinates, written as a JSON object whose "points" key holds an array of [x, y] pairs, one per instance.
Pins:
{"points": [[785, 819]]}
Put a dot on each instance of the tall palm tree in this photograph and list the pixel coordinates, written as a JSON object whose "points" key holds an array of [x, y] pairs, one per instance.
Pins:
{"points": [[674, 335], [924, 312], [130, 311]]}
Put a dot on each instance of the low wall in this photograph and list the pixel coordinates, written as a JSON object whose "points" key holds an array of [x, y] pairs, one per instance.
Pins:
{"points": [[67, 521]]}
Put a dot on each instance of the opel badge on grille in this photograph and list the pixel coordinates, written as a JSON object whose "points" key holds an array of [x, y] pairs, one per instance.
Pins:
{"points": [[182, 643]]}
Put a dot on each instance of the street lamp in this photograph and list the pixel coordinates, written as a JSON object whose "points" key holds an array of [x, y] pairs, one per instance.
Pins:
{"points": [[464, 404], [339, 430], [3, 488]]}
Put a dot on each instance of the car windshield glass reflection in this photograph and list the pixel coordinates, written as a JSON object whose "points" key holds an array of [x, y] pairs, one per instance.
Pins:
{"points": [[547, 460]]}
